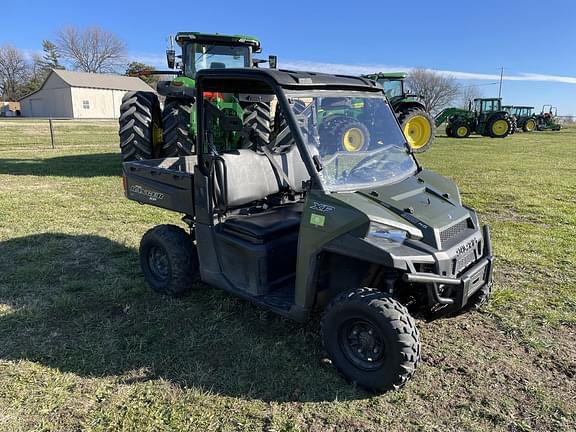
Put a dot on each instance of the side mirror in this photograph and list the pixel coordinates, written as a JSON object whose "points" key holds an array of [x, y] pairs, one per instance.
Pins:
{"points": [[170, 58], [273, 61]]}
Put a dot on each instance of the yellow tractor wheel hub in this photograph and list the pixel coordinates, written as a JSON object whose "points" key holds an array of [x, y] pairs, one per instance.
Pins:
{"points": [[500, 127], [530, 125], [462, 131], [417, 131], [353, 140]]}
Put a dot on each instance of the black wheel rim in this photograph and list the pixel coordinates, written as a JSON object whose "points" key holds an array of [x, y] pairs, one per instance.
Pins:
{"points": [[362, 344], [158, 263]]}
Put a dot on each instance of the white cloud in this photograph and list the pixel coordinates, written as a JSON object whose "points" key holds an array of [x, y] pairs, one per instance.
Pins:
{"points": [[349, 69]]}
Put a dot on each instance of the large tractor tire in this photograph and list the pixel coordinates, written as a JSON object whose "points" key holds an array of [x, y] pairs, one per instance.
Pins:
{"points": [[529, 125], [169, 260], [461, 130], [345, 133], [140, 126], [176, 121], [419, 128], [499, 126], [281, 137], [449, 131], [371, 339], [257, 118]]}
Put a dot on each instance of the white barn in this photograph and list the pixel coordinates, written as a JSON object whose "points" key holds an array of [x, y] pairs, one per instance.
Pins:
{"points": [[68, 94]]}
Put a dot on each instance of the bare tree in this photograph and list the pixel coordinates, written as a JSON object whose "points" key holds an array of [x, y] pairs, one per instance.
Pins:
{"points": [[92, 49], [437, 90], [469, 93], [13, 72]]}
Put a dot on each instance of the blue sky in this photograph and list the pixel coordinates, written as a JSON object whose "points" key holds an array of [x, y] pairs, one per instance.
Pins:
{"points": [[536, 43]]}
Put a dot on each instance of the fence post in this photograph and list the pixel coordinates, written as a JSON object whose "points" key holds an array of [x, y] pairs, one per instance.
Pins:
{"points": [[51, 133]]}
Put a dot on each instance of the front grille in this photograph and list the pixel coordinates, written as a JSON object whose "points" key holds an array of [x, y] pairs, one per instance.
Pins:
{"points": [[454, 232]]}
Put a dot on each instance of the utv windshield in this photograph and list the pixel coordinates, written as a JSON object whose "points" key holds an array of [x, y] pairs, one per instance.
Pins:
{"points": [[354, 139], [205, 56]]}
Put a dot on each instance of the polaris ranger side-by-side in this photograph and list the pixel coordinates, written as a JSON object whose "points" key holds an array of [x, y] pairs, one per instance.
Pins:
{"points": [[300, 225]]}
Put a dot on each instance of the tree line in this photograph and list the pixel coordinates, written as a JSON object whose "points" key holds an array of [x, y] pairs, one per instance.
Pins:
{"points": [[91, 49]]}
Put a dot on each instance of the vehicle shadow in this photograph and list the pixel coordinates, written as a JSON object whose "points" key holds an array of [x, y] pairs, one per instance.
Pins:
{"points": [[77, 303], [81, 165]]}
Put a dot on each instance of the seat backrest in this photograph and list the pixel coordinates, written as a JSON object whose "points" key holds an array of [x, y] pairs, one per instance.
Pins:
{"points": [[251, 177]]}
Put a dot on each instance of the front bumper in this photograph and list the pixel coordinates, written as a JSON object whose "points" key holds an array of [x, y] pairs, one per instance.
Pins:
{"points": [[463, 287]]}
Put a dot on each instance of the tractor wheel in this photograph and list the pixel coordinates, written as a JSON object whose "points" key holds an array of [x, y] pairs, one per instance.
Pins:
{"points": [[499, 126], [371, 339], [529, 125], [257, 117], [176, 120], [140, 126], [419, 128], [281, 135], [461, 130], [449, 132], [169, 260], [346, 133]]}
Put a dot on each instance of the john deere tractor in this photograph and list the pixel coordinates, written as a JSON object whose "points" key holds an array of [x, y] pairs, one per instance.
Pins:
{"points": [[547, 119], [485, 117], [525, 118], [149, 131], [416, 123]]}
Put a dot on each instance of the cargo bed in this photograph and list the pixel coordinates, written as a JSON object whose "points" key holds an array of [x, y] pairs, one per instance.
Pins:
{"points": [[167, 183]]}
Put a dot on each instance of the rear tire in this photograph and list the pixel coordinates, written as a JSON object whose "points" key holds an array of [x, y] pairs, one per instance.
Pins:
{"points": [[529, 125], [176, 120], [140, 126], [371, 339], [499, 126], [257, 118], [419, 129], [169, 260], [347, 133]]}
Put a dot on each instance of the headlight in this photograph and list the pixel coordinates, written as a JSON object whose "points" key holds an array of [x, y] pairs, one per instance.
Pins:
{"points": [[386, 232]]}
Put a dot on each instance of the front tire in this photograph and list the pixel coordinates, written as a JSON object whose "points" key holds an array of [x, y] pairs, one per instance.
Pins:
{"points": [[461, 130], [371, 339], [529, 125], [419, 129], [140, 126], [169, 260]]}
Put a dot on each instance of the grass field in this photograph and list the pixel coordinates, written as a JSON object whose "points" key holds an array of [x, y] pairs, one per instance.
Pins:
{"points": [[84, 344]]}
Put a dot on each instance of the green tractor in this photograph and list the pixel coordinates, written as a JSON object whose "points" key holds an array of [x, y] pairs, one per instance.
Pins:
{"points": [[485, 117], [416, 123], [548, 119], [149, 131], [525, 118]]}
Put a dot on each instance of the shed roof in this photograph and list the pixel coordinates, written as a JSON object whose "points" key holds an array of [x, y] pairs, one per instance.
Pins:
{"points": [[103, 81], [95, 80]]}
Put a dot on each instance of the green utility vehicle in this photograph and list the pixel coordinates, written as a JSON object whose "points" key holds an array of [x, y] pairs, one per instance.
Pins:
{"points": [[416, 123], [548, 119], [148, 131], [486, 117], [298, 225]]}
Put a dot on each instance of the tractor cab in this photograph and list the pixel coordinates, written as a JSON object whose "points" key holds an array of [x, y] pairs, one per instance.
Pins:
{"points": [[523, 111], [215, 51], [487, 105]]}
